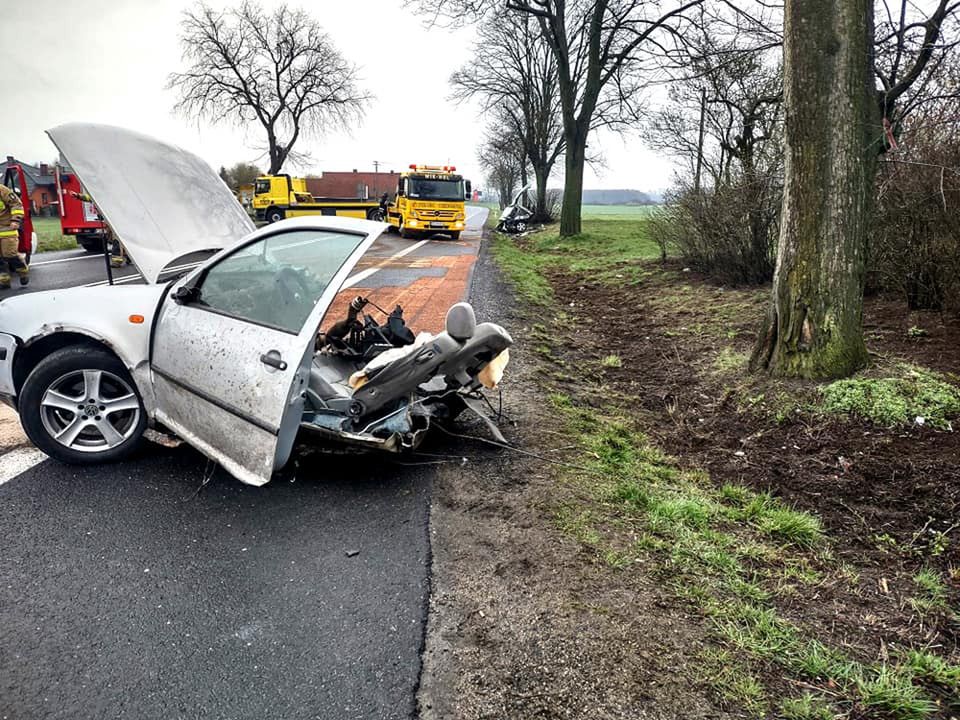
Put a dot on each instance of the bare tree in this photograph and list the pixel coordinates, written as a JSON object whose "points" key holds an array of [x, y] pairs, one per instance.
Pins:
{"points": [[279, 70], [512, 72], [241, 173], [606, 52], [501, 156]]}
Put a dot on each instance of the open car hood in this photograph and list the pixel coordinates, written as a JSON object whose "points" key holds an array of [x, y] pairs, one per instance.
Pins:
{"points": [[161, 202]]}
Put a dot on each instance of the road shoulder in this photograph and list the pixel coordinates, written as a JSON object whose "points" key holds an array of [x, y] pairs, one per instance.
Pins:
{"points": [[523, 621]]}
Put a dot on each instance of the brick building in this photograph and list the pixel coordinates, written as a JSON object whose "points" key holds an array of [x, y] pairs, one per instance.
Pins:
{"points": [[41, 185], [352, 184]]}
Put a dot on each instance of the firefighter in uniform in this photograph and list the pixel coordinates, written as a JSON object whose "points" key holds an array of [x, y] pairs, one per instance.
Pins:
{"points": [[11, 217]]}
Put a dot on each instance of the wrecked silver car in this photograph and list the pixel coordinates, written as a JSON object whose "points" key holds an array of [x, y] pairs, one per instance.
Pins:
{"points": [[229, 356]]}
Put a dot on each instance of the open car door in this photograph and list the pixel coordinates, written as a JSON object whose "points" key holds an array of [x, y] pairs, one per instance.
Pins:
{"points": [[234, 340]]}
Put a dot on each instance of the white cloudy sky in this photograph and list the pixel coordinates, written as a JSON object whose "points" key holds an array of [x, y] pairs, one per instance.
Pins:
{"points": [[107, 61]]}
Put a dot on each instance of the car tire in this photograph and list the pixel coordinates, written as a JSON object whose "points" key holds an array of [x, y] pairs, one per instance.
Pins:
{"points": [[454, 235], [59, 400], [274, 215]]}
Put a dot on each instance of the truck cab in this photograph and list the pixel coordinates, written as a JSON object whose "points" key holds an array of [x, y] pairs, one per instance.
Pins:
{"points": [[274, 194], [430, 199]]}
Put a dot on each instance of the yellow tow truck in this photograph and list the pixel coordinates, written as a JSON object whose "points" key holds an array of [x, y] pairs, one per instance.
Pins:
{"points": [[430, 199], [276, 197]]}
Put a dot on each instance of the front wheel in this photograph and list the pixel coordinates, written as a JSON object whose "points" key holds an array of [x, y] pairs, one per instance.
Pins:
{"points": [[407, 234], [274, 215], [454, 235], [80, 405]]}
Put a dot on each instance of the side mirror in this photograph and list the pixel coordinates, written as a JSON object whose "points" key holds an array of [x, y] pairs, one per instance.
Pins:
{"points": [[186, 294], [468, 190]]}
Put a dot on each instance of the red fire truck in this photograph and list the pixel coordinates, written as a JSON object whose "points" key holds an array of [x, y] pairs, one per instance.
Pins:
{"points": [[77, 217], [14, 179]]}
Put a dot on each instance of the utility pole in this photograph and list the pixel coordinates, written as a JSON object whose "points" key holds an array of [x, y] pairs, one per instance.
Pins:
{"points": [[376, 166]]}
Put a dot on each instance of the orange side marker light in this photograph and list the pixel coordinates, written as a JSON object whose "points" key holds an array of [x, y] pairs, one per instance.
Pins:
{"points": [[136, 319]]}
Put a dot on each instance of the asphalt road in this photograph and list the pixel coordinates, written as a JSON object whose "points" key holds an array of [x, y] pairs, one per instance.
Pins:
{"points": [[126, 592]]}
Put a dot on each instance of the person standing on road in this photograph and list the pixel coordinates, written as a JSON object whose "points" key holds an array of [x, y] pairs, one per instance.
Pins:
{"points": [[11, 217]]}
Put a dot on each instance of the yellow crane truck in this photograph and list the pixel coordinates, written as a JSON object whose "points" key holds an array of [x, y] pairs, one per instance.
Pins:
{"points": [[429, 199], [276, 197]]}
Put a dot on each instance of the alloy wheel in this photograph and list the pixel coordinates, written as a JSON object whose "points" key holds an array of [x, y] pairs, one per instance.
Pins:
{"points": [[90, 410]]}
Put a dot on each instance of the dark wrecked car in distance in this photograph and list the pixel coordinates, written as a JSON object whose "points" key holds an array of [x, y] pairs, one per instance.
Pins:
{"points": [[226, 356]]}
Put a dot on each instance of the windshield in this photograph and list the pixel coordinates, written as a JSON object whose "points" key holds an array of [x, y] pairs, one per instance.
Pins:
{"points": [[423, 189], [261, 187]]}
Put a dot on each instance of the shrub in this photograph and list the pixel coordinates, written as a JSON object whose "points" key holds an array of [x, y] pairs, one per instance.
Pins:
{"points": [[728, 232]]}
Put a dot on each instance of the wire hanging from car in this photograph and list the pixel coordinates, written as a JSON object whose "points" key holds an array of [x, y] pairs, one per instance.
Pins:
{"points": [[208, 472], [521, 451]]}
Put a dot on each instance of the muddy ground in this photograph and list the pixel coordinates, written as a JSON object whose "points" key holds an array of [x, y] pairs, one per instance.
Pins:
{"points": [[527, 623], [884, 495]]}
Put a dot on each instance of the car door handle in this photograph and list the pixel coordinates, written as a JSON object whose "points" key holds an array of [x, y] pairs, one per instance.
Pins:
{"points": [[273, 359]]}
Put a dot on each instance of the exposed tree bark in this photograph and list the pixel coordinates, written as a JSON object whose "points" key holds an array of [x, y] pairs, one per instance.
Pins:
{"points": [[813, 327]]}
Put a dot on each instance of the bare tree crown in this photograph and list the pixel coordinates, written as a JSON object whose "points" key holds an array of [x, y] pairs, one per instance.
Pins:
{"points": [[278, 70]]}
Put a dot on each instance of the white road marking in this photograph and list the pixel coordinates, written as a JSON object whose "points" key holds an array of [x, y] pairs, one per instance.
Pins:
{"points": [[17, 461], [364, 274], [69, 259]]}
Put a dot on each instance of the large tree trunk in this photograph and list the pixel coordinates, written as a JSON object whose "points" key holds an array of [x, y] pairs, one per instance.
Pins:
{"points": [[813, 328], [540, 210], [572, 189]]}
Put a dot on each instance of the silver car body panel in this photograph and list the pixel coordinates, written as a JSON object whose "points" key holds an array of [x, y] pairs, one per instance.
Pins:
{"points": [[162, 202], [213, 389], [100, 313]]}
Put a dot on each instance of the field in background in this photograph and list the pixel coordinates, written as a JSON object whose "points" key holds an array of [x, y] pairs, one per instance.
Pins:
{"points": [[618, 211]]}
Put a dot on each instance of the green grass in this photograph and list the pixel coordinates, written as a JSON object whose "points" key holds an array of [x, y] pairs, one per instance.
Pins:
{"points": [[612, 361], [806, 707], [934, 670], [890, 401], [590, 212], [891, 691], [932, 594], [49, 236], [608, 250]]}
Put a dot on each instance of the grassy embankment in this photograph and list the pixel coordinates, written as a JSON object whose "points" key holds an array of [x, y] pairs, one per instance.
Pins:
{"points": [[49, 236], [732, 553]]}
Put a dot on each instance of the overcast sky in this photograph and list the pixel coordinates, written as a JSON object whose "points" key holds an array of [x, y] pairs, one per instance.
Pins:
{"points": [[107, 61]]}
